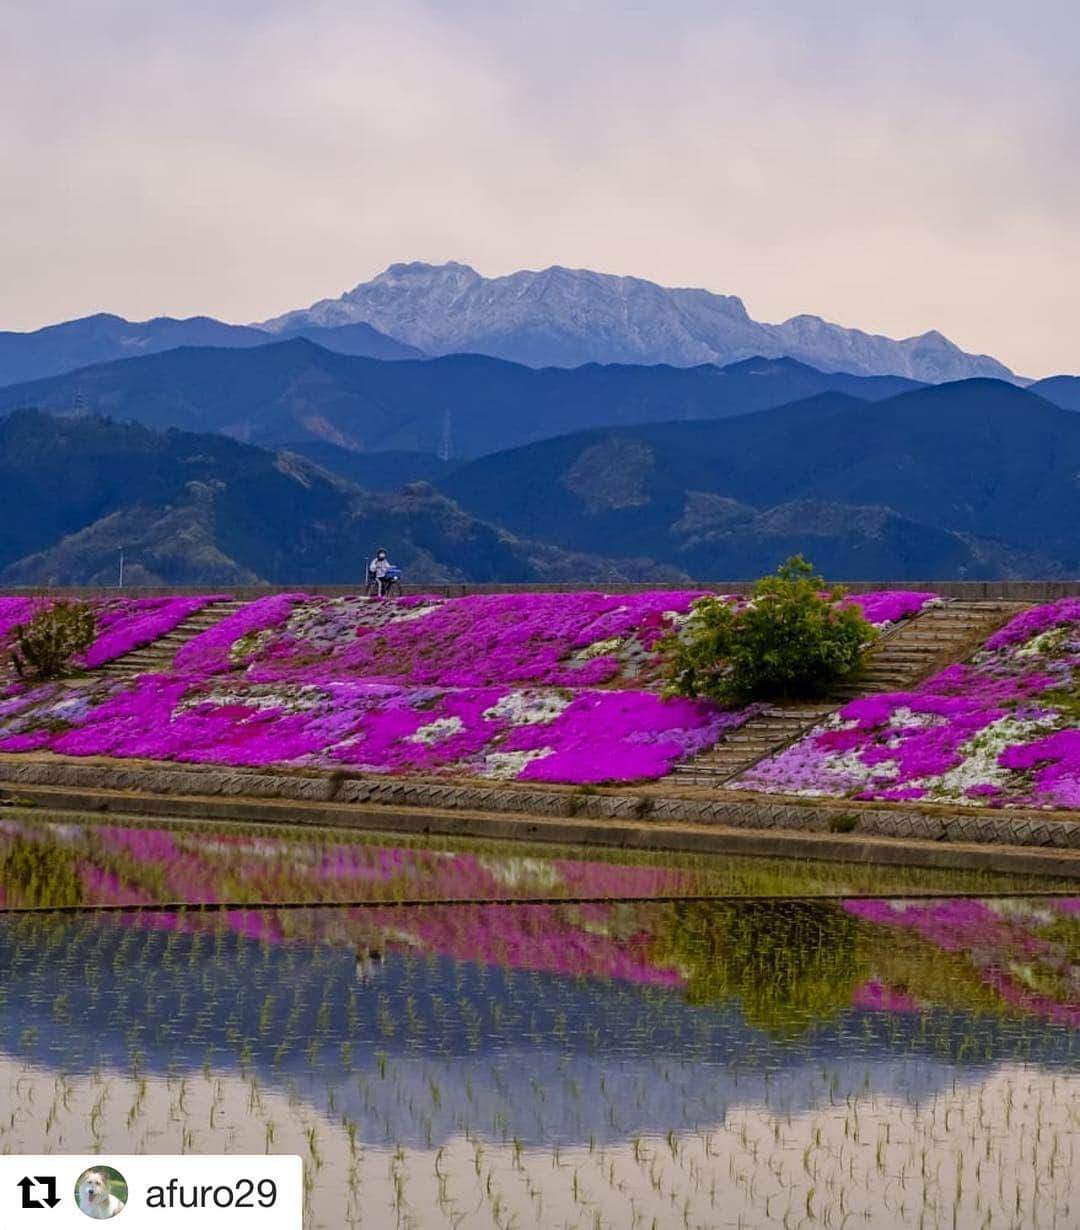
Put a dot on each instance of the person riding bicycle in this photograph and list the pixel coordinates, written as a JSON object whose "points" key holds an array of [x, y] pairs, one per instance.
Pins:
{"points": [[377, 572]]}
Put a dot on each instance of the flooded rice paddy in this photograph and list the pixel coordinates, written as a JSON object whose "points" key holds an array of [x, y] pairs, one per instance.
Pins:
{"points": [[467, 1035]]}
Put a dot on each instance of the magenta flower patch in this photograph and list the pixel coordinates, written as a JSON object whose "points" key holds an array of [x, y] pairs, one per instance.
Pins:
{"points": [[123, 624], [540, 687], [891, 606], [130, 623], [534, 687], [14, 611], [992, 732]]}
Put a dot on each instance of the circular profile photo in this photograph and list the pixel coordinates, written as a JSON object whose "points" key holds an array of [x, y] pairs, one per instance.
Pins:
{"points": [[101, 1192]]}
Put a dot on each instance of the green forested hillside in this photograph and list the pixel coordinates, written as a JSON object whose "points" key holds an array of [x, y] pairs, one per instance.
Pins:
{"points": [[975, 479], [204, 510]]}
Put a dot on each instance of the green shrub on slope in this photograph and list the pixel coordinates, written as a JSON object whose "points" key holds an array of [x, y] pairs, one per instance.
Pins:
{"points": [[791, 639]]}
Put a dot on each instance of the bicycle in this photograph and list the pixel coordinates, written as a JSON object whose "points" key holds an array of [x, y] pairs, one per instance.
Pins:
{"points": [[386, 586]]}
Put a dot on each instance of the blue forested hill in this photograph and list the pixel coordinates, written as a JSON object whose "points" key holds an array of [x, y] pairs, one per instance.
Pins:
{"points": [[463, 405], [1063, 391], [205, 510], [974, 479]]}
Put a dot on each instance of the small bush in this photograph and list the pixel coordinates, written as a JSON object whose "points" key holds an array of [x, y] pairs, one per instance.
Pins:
{"points": [[790, 640], [843, 823], [54, 635]]}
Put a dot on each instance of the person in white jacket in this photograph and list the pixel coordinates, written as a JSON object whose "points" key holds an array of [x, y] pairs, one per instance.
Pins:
{"points": [[378, 568]]}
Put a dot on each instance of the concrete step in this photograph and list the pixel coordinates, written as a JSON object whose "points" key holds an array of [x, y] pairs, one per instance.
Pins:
{"points": [[935, 636], [759, 737], [159, 654]]}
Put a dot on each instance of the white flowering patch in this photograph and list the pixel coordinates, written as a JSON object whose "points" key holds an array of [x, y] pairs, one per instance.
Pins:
{"points": [[522, 872], [70, 834], [406, 614], [271, 851], [324, 623], [980, 764], [1045, 643], [253, 645], [1024, 911], [850, 766], [300, 698], [684, 622], [504, 766], [599, 649], [437, 731], [527, 708], [903, 717], [74, 704], [679, 619]]}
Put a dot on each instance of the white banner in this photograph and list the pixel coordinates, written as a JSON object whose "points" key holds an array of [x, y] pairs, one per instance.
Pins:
{"points": [[64, 1192]]}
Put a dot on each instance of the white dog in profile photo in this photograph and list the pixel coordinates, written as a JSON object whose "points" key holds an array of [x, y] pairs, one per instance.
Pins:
{"points": [[94, 1197]]}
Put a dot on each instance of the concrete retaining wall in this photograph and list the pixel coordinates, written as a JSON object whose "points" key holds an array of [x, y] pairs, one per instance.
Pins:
{"points": [[156, 789], [973, 591]]}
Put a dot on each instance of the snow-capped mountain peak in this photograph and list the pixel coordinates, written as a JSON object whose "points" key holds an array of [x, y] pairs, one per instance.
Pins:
{"points": [[565, 317]]}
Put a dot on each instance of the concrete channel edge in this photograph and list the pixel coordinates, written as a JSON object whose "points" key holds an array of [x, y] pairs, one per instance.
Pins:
{"points": [[898, 834]]}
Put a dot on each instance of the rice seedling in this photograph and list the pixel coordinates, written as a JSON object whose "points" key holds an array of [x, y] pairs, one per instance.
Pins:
{"points": [[604, 1064]]}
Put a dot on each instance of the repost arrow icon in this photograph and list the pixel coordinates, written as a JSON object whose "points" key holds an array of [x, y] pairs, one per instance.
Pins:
{"points": [[48, 1182]]}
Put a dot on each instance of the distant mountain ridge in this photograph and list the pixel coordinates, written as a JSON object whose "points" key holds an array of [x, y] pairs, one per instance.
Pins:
{"points": [[975, 479], [567, 317], [1063, 391], [103, 338], [296, 392]]}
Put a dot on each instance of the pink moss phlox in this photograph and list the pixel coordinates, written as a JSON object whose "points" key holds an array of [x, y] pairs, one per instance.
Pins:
{"points": [[125, 624], [1056, 764], [197, 868], [954, 924], [801, 768], [103, 887], [900, 745], [621, 736], [486, 639], [15, 611], [144, 845], [1032, 623], [1031, 1002], [890, 606], [493, 685], [544, 938], [208, 653], [31, 742]]}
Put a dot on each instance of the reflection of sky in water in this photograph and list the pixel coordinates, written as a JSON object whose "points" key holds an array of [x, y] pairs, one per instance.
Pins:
{"points": [[417, 1049]]}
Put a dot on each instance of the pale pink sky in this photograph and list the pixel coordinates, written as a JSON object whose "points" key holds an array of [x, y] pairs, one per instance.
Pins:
{"points": [[898, 166]]}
